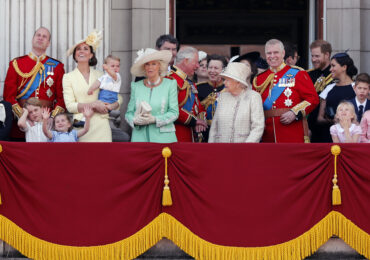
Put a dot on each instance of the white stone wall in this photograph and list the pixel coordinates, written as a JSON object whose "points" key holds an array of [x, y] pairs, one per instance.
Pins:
{"points": [[136, 24], [347, 27], [68, 21]]}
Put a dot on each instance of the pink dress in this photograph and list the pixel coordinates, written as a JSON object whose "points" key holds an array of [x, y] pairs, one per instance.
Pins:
{"points": [[365, 127], [339, 132]]}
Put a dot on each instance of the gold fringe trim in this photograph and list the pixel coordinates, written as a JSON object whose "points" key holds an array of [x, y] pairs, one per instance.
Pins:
{"points": [[167, 226]]}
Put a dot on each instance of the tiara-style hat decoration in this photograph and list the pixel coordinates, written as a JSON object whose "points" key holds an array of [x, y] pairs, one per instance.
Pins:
{"points": [[341, 54], [93, 39]]}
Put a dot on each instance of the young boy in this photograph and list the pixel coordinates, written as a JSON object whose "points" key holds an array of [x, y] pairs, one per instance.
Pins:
{"points": [[110, 82], [362, 89], [31, 121]]}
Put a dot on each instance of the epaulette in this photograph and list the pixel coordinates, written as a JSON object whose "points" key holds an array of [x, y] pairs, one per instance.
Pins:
{"points": [[54, 59], [20, 57], [309, 70], [297, 67], [201, 83]]}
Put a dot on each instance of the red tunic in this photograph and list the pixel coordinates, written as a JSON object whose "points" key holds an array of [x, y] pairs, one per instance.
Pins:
{"points": [[49, 85], [303, 98], [189, 106]]}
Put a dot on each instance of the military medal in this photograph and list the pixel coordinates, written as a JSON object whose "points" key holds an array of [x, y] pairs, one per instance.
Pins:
{"points": [[288, 92], [50, 82], [49, 93]]}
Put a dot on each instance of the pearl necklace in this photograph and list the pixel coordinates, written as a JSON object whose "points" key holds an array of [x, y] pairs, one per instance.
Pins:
{"points": [[153, 84]]}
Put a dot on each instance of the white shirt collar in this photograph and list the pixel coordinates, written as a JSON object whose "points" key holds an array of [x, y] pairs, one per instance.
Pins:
{"points": [[359, 104]]}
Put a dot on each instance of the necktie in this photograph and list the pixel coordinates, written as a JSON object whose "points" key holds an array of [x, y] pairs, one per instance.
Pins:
{"points": [[360, 112]]}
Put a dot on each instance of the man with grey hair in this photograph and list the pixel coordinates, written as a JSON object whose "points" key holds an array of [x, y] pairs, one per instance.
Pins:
{"points": [[191, 121], [288, 95]]}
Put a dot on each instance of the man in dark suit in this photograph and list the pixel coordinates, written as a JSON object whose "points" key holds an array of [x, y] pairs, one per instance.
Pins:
{"points": [[362, 89]]}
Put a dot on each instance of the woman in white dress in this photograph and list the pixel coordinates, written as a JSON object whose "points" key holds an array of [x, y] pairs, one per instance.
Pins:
{"points": [[239, 115], [76, 85]]}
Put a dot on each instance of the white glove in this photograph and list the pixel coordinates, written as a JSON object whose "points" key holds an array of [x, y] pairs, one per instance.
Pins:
{"points": [[140, 120], [149, 118]]}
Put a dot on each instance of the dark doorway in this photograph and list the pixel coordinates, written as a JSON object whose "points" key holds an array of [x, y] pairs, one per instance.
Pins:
{"points": [[247, 24]]}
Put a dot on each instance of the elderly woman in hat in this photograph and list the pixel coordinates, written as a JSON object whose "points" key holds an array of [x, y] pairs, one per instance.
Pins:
{"points": [[153, 106], [239, 115], [76, 85]]}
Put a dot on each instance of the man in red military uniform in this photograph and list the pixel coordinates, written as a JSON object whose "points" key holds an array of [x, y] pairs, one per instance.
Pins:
{"points": [[34, 75], [288, 96], [191, 113]]}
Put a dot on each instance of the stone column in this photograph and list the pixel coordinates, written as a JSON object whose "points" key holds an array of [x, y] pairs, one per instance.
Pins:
{"points": [[347, 28], [135, 24]]}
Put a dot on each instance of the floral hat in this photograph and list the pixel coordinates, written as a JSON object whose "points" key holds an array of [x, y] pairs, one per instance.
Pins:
{"points": [[93, 39], [144, 56]]}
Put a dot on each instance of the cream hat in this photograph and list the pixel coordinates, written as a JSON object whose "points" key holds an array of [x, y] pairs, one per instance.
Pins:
{"points": [[202, 55], [237, 71], [93, 39], [163, 56]]}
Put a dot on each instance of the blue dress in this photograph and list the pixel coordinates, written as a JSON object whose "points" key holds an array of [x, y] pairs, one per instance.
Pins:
{"points": [[64, 136]]}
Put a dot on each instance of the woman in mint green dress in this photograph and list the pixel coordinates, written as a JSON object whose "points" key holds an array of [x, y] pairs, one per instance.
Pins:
{"points": [[153, 106]]}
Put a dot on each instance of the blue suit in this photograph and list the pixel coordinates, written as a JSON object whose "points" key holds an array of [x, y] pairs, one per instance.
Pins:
{"points": [[367, 107]]}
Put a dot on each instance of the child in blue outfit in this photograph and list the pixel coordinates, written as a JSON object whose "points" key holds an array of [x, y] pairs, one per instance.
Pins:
{"points": [[63, 126], [110, 82]]}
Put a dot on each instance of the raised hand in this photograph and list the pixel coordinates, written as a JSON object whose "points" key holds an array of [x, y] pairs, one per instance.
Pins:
{"points": [[45, 113], [88, 112]]}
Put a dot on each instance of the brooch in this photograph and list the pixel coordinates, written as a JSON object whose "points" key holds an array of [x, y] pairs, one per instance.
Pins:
{"points": [[49, 93], [50, 82]]}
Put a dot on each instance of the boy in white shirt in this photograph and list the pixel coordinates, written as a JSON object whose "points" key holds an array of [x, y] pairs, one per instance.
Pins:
{"points": [[110, 82], [31, 121]]}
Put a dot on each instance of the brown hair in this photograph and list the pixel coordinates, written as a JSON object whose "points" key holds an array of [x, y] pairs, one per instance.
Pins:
{"points": [[324, 46], [33, 102], [362, 77], [112, 58], [68, 118]]}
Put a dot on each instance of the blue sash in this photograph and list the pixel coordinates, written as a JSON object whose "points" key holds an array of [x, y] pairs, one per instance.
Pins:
{"points": [[190, 102], [49, 65], [276, 91]]}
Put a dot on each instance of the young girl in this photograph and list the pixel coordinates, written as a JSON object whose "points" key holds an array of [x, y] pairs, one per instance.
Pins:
{"points": [[365, 127], [346, 129], [63, 126], [31, 121]]}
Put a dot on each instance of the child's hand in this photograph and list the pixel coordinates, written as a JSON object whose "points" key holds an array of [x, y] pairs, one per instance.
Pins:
{"points": [[45, 113], [88, 112], [90, 91], [346, 122], [25, 111]]}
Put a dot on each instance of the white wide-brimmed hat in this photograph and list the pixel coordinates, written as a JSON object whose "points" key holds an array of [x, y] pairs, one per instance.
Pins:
{"points": [[93, 40], [163, 56], [237, 71]]}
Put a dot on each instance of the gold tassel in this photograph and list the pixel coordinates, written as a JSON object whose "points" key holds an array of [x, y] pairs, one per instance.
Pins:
{"points": [[336, 197], [166, 197]]}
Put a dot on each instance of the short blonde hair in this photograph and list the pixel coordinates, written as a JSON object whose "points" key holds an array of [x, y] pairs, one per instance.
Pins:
{"points": [[352, 108], [111, 57]]}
